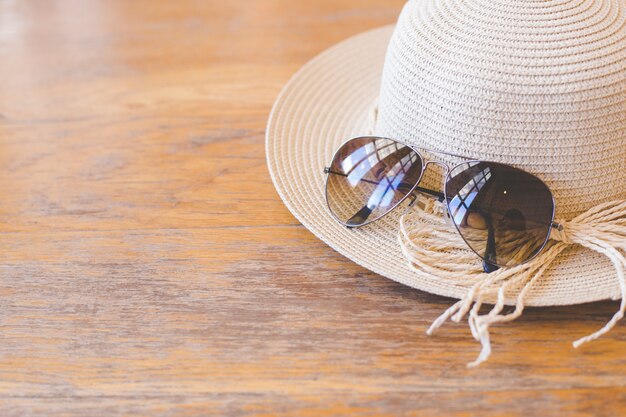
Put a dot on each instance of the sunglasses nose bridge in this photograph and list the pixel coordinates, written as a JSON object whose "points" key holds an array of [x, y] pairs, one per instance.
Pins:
{"points": [[443, 165]]}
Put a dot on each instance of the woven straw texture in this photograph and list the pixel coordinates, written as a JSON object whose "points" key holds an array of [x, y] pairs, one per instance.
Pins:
{"points": [[539, 85]]}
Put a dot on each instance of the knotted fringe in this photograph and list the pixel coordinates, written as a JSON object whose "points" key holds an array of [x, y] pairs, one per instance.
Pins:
{"points": [[435, 249]]}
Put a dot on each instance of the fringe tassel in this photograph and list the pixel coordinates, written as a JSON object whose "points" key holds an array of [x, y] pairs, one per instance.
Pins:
{"points": [[429, 244]]}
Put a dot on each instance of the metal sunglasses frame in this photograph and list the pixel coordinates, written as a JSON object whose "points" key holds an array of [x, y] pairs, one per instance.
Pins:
{"points": [[441, 196]]}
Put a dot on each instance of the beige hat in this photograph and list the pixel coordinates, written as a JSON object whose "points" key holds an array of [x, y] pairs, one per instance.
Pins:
{"points": [[537, 85]]}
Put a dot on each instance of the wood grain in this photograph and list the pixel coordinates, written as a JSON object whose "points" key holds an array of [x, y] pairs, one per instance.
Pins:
{"points": [[149, 267]]}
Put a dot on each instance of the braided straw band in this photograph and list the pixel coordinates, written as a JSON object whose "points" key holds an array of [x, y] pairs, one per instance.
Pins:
{"points": [[433, 247]]}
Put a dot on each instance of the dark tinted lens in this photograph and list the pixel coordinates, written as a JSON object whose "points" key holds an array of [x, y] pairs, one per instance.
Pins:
{"points": [[503, 213], [368, 177]]}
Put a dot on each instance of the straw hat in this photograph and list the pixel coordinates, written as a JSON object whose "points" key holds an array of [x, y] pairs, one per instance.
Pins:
{"points": [[538, 85]]}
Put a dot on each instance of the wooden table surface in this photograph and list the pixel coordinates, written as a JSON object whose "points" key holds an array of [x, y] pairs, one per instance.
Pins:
{"points": [[150, 268]]}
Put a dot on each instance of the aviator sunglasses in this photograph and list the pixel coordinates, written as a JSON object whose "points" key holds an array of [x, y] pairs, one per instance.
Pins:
{"points": [[503, 213]]}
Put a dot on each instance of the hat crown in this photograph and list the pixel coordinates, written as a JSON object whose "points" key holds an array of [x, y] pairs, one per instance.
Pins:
{"points": [[540, 85]]}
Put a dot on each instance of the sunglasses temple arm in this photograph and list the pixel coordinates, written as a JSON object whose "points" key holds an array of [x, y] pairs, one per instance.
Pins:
{"points": [[439, 195], [490, 250]]}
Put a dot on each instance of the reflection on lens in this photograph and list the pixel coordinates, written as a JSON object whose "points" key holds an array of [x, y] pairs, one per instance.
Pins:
{"points": [[368, 177], [503, 213]]}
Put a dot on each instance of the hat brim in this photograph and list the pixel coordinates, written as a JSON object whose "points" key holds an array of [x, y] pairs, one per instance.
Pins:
{"points": [[328, 101]]}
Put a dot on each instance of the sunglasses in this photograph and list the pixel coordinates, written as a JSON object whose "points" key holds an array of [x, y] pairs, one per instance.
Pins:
{"points": [[503, 213]]}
